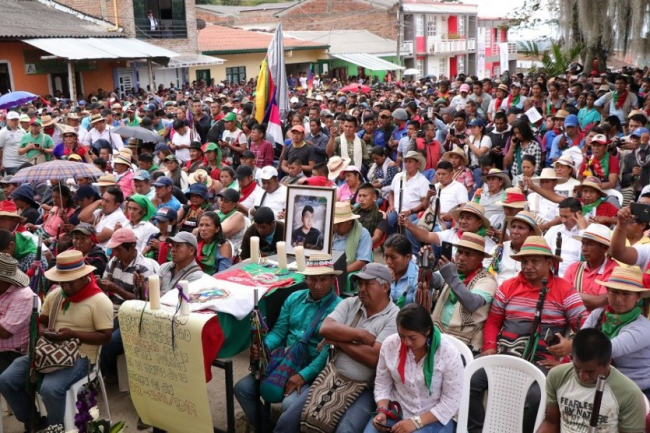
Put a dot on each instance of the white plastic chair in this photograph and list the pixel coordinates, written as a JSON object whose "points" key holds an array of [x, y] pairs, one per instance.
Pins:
{"points": [[617, 194], [71, 396], [465, 353], [508, 381]]}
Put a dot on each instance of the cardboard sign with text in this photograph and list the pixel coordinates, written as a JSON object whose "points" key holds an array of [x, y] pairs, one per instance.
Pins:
{"points": [[167, 384]]}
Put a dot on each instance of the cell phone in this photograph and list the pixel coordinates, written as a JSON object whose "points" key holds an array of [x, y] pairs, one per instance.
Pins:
{"points": [[430, 112], [551, 339], [50, 334], [641, 212], [447, 250], [37, 145], [461, 136]]}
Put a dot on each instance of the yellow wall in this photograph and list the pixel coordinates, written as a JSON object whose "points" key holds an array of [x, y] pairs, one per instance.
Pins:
{"points": [[253, 61]]}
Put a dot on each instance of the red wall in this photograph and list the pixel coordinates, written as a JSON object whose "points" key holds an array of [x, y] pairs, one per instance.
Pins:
{"points": [[453, 66], [452, 25], [420, 45]]}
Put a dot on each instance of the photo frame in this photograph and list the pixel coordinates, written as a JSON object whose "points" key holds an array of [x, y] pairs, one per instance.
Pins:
{"points": [[310, 218]]}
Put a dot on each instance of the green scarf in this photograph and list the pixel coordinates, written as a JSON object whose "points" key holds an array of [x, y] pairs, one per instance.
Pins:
{"points": [[24, 246], [613, 323], [429, 358], [352, 242], [587, 208], [207, 258], [153, 168], [145, 204], [223, 216]]}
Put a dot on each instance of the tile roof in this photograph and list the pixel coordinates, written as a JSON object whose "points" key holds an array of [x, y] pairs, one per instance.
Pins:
{"points": [[221, 39], [33, 19]]}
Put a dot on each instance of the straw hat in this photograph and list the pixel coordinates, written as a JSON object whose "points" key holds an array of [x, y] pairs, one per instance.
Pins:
{"points": [[343, 213], [320, 264], [514, 198], [121, 159], [597, 233], [535, 246], [528, 218], [412, 154], [564, 160], [46, 121], [96, 118], [107, 180], [629, 279], [200, 176], [561, 114], [473, 208], [8, 208], [65, 129], [591, 182], [504, 87], [72, 116], [549, 174], [336, 165], [70, 266], [10, 273], [456, 151], [495, 172], [474, 242]]}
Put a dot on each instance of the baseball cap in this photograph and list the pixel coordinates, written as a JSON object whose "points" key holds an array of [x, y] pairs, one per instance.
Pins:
{"points": [[268, 172], [571, 120], [230, 117], [372, 271], [85, 228], [638, 132], [230, 195], [477, 121], [165, 214], [197, 189], [160, 147], [163, 181], [183, 238], [243, 171], [400, 114], [247, 154], [85, 192], [142, 175], [464, 88], [12, 115], [297, 128], [600, 138], [121, 236]]}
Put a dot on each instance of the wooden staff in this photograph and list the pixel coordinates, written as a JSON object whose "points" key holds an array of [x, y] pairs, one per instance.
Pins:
{"points": [[598, 400], [533, 338], [399, 202], [558, 251]]}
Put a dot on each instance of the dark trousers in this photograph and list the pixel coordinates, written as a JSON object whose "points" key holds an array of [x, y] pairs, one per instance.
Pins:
{"points": [[476, 415], [6, 358]]}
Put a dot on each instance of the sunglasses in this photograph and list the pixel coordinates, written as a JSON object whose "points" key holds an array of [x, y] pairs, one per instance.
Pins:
{"points": [[68, 135]]}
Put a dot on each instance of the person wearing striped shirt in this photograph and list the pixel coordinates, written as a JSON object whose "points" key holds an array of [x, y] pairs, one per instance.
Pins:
{"points": [[509, 321]]}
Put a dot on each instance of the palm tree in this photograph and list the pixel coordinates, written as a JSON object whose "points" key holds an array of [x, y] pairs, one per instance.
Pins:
{"points": [[555, 60]]}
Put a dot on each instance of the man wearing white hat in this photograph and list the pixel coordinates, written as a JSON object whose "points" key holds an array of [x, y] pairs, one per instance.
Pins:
{"points": [[100, 130], [351, 237], [565, 169], [596, 265], [10, 137], [544, 208], [272, 194], [411, 186]]}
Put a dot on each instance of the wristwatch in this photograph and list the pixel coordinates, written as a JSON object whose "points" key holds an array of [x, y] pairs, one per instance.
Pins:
{"points": [[418, 422]]}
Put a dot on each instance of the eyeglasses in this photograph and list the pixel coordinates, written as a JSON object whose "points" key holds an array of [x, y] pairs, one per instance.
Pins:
{"points": [[68, 135]]}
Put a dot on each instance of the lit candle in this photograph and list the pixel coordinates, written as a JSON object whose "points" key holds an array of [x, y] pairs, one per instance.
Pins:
{"points": [[255, 249], [282, 255], [185, 307], [154, 292], [300, 257]]}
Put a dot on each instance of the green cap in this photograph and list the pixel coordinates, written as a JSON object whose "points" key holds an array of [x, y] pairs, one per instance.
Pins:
{"points": [[230, 117], [211, 147]]}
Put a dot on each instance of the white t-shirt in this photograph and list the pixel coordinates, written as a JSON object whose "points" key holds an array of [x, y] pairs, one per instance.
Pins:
{"points": [[566, 189], [252, 197], [486, 141], [571, 248], [108, 222], [545, 209], [276, 201], [414, 189], [143, 231], [231, 137], [185, 139], [10, 143], [458, 102], [452, 195], [508, 267]]}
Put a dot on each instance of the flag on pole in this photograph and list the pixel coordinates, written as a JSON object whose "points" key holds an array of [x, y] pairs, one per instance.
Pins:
{"points": [[310, 80], [272, 93]]}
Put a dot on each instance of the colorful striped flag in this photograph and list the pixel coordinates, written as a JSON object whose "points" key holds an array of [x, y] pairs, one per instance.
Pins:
{"points": [[310, 80]]}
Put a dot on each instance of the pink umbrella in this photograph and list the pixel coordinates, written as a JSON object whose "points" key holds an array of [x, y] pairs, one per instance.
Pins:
{"points": [[355, 88]]}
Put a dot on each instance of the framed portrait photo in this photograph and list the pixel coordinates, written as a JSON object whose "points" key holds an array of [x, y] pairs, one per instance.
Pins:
{"points": [[310, 218]]}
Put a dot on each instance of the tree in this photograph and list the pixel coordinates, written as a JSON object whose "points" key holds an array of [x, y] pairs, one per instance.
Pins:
{"points": [[555, 61]]}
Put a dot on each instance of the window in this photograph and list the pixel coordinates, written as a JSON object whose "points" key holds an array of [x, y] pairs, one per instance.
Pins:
{"points": [[461, 26], [168, 19], [461, 64], [432, 25], [419, 65], [442, 67], [419, 25], [236, 74]]}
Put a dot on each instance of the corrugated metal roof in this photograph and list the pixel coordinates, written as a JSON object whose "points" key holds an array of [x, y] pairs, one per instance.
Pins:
{"points": [[100, 49], [348, 41], [32, 19], [440, 8], [187, 60], [368, 61]]}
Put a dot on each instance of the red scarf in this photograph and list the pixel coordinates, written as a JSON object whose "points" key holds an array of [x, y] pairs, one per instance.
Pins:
{"points": [[497, 104], [91, 289], [246, 191], [619, 99]]}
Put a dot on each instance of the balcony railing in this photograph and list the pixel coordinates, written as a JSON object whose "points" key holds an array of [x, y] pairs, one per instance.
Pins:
{"points": [[512, 48], [167, 29], [407, 48], [451, 46]]}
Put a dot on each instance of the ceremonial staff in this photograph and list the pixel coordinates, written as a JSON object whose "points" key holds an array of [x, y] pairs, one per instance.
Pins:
{"points": [[598, 400], [533, 338], [558, 251], [399, 202]]}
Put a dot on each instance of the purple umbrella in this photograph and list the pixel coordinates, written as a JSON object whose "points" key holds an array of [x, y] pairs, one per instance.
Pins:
{"points": [[15, 99]]}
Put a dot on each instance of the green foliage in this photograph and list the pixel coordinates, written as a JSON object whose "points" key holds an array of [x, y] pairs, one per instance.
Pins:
{"points": [[555, 61]]}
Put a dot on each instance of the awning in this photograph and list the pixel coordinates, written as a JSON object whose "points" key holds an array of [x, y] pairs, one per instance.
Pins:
{"points": [[187, 60], [102, 49], [368, 61]]}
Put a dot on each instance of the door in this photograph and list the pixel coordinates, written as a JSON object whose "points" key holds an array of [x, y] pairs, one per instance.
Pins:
{"points": [[5, 78], [124, 80], [59, 82], [203, 74]]}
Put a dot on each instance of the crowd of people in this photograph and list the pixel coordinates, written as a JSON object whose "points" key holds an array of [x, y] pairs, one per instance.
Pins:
{"points": [[510, 187]]}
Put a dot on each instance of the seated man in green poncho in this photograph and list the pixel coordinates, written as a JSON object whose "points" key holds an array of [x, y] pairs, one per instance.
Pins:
{"points": [[21, 246], [351, 237]]}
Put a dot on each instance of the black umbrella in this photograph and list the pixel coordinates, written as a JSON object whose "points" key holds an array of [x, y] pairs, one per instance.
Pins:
{"points": [[138, 132]]}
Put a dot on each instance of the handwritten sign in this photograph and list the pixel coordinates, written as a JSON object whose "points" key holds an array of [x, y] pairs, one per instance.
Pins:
{"points": [[167, 383]]}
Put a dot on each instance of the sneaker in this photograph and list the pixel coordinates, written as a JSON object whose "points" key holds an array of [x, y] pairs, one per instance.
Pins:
{"points": [[141, 425]]}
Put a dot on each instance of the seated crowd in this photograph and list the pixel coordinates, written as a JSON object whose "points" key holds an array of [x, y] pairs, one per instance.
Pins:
{"points": [[476, 212]]}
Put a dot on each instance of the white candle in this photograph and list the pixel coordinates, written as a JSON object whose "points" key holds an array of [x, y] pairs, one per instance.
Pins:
{"points": [[185, 307], [300, 257], [154, 292], [255, 249], [282, 255]]}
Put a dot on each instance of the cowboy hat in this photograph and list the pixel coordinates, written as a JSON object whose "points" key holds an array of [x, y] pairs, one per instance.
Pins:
{"points": [[549, 174], [504, 87], [8, 208], [456, 151], [106, 180], [564, 160], [412, 154], [535, 246], [96, 118], [343, 212], [120, 159], [528, 218], [561, 114], [70, 266], [473, 208], [336, 165], [597, 233], [10, 273], [474, 242], [47, 121], [591, 182], [629, 279], [514, 198], [201, 176], [320, 264], [65, 129], [495, 172]]}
